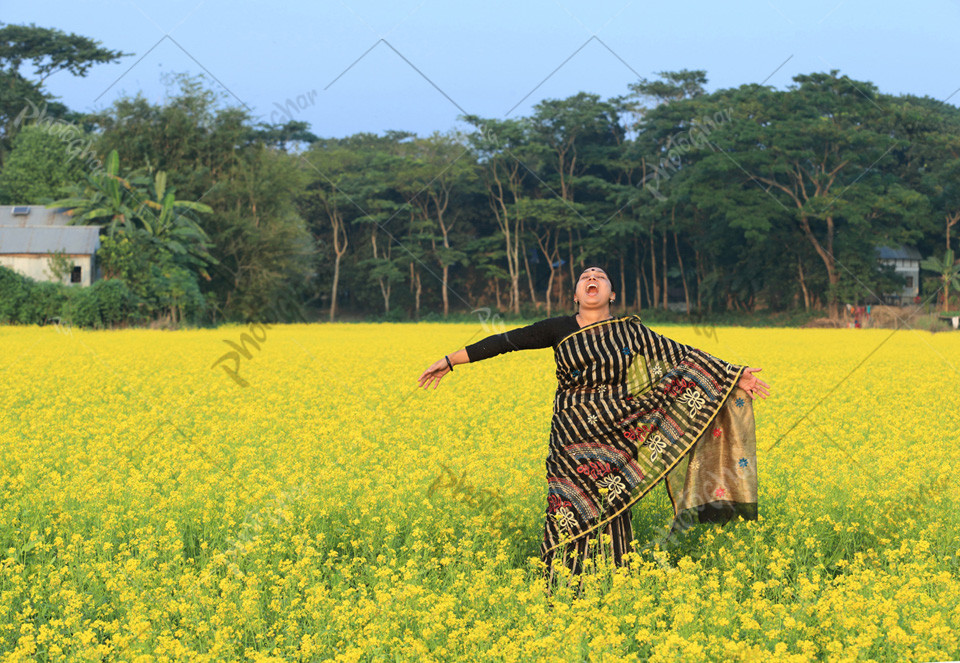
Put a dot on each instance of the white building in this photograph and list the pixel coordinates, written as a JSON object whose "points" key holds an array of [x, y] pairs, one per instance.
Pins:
{"points": [[30, 235], [906, 262]]}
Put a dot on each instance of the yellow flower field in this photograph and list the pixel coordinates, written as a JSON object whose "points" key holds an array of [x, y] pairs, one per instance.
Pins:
{"points": [[307, 502]]}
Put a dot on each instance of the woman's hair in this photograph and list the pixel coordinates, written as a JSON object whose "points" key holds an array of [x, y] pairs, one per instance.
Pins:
{"points": [[595, 267]]}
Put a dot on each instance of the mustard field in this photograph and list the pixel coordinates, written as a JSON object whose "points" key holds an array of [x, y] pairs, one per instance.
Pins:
{"points": [[291, 495]]}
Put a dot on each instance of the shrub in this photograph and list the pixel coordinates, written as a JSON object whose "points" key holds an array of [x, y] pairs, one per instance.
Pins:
{"points": [[14, 291], [104, 304], [44, 304]]}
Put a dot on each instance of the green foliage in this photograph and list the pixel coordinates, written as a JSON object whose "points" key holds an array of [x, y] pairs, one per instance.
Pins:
{"points": [[25, 301], [59, 266], [263, 246], [215, 155], [14, 291], [104, 304], [154, 243], [123, 257], [173, 288], [38, 169], [46, 302], [144, 282], [141, 205], [724, 199], [49, 51], [161, 285], [948, 271]]}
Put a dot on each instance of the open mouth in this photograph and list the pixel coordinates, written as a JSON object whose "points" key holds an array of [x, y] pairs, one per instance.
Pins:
{"points": [[592, 288]]}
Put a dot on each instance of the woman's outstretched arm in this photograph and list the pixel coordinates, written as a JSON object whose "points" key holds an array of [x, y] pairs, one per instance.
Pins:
{"points": [[541, 334], [440, 368]]}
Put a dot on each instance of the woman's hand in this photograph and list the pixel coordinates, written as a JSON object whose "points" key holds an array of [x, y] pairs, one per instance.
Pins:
{"points": [[433, 374], [753, 385]]}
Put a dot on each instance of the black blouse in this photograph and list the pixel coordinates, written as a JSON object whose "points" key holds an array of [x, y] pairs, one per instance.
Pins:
{"points": [[543, 334]]}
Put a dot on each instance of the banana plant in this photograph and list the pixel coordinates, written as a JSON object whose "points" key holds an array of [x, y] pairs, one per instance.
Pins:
{"points": [[949, 271], [105, 198], [140, 205], [173, 224]]}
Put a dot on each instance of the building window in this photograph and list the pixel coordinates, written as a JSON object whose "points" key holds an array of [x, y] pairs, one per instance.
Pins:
{"points": [[909, 281], [75, 274]]}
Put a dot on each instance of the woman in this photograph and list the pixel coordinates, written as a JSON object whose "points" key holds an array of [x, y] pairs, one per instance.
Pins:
{"points": [[632, 407]]}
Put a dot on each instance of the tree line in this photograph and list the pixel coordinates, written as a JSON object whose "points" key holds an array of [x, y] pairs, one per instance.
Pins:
{"points": [[742, 199]]}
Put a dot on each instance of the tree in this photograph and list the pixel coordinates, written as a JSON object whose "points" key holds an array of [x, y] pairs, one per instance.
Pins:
{"points": [[336, 174], [192, 134], [673, 86], [164, 289], [215, 154], [38, 169], [105, 197], [432, 170], [286, 136], [662, 133], [49, 51], [262, 243], [576, 141], [499, 145], [139, 204], [930, 159], [548, 219], [375, 192], [816, 157], [158, 225]]}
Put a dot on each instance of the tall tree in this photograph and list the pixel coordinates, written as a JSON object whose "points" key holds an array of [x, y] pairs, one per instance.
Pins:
{"points": [[47, 51], [929, 159], [659, 115], [213, 153], [577, 140], [336, 173], [432, 171], [500, 146], [819, 153]]}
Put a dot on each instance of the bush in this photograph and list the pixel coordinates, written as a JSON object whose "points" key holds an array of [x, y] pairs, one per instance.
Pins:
{"points": [[104, 304], [45, 303], [28, 302], [14, 291], [117, 302]]}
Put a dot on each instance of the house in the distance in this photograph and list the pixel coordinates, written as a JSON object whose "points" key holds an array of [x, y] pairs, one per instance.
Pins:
{"points": [[31, 234], [906, 261]]}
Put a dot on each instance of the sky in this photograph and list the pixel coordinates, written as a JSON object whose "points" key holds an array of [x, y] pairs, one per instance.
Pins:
{"points": [[346, 67]]}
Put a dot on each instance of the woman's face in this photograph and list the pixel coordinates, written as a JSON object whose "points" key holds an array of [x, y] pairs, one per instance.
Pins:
{"points": [[594, 289]]}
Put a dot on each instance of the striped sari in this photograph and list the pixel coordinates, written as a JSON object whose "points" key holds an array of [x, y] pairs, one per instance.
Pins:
{"points": [[633, 408]]}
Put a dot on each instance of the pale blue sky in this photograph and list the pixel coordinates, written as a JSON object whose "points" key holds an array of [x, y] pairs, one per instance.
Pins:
{"points": [[488, 57]]}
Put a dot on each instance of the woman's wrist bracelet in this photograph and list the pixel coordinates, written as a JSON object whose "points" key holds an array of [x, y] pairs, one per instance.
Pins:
{"points": [[448, 363]]}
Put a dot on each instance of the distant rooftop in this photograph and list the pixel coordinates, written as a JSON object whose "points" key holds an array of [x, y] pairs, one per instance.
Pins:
{"points": [[73, 240], [899, 253], [23, 216]]}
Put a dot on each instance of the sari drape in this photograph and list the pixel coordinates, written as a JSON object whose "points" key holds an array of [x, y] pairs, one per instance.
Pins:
{"points": [[633, 408]]}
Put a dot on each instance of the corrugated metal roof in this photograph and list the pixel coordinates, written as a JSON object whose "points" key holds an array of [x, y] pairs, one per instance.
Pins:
{"points": [[42, 240], [38, 216], [898, 253]]}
